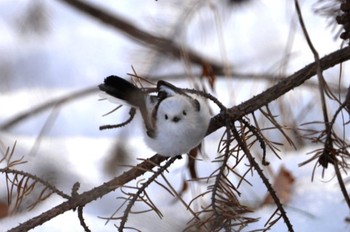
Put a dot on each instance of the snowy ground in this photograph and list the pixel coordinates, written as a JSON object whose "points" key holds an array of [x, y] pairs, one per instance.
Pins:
{"points": [[78, 53]]}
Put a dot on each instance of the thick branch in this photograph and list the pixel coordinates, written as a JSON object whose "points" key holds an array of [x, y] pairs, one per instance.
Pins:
{"points": [[280, 88]]}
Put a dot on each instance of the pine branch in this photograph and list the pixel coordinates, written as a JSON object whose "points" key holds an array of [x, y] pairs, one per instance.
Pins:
{"points": [[35, 179], [91, 195], [217, 122], [278, 90], [266, 182]]}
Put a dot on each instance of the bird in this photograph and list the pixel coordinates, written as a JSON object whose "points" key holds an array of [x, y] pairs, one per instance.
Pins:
{"points": [[175, 121]]}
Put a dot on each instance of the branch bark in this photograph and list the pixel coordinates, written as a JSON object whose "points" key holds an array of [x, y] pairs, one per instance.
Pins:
{"points": [[280, 88]]}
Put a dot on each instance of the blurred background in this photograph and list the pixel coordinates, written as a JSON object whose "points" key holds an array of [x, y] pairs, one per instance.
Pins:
{"points": [[54, 54]]}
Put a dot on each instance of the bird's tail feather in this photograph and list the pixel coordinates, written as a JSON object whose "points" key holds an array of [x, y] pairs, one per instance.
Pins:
{"points": [[124, 90]]}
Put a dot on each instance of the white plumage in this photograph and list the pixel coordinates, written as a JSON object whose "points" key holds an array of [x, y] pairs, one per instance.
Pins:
{"points": [[175, 121]]}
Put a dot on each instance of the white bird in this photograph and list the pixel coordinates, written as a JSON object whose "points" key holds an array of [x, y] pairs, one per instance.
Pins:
{"points": [[175, 121]]}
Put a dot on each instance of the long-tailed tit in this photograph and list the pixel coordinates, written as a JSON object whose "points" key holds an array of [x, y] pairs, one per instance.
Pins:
{"points": [[175, 121]]}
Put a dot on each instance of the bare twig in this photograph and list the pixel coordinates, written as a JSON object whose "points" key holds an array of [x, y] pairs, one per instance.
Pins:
{"points": [[132, 113], [321, 82], [82, 220], [272, 192], [52, 103]]}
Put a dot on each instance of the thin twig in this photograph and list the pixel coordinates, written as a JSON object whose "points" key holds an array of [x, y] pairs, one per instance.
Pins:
{"points": [[222, 169], [82, 220], [335, 161], [269, 187], [141, 189], [49, 104], [36, 179], [321, 81], [132, 113]]}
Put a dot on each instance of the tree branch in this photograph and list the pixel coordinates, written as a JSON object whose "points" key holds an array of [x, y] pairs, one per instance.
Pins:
{"points": [[218, 121], [44, 106], [161, 44], [80, 200], [280, 88]]}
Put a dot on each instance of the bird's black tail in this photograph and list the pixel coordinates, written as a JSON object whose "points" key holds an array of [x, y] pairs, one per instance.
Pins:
{"points": [[122, 89]]}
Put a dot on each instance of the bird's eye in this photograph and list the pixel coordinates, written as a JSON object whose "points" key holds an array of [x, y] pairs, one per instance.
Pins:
{"points": [[184, 113], [166, 117]]}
